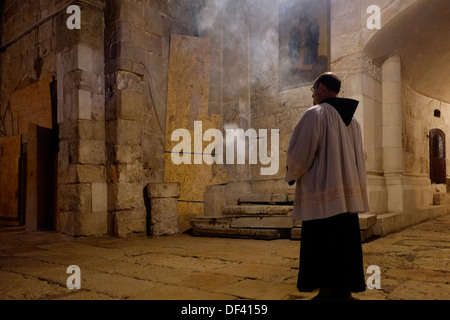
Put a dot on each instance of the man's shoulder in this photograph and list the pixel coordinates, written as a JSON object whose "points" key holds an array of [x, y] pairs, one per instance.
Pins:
{"points": [[317, 109], [311, 113]]}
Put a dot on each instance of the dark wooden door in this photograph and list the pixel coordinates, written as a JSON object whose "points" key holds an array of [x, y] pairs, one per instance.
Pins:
{"points": [[438, 170], [10, 159], [40, 199]]}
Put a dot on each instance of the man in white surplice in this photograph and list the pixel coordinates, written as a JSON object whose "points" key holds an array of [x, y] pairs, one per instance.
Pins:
{"points": [[326, 160]]}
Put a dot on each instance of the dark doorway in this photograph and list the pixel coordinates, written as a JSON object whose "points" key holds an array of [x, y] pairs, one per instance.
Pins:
{"points": [[40, 214], [40, 172], [438, 169]]}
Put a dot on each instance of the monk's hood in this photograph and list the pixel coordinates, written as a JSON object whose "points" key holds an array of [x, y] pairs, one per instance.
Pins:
{"points": [[345, 107]]}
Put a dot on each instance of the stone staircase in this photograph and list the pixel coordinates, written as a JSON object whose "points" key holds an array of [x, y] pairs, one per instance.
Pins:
{"points": [[262, 217]]}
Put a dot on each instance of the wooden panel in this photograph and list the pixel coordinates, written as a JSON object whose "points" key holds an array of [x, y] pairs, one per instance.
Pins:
{"points": [[187, 102], [32, 104], [10, 150]]}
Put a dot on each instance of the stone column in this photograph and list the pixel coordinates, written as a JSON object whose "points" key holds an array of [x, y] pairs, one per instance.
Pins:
{"points": [[82, 196], [392, 133], [392, 116], [124, 111], [163, 219]]}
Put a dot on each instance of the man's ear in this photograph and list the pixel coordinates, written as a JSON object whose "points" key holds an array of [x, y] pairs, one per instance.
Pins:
{"points": [[321, 87]]}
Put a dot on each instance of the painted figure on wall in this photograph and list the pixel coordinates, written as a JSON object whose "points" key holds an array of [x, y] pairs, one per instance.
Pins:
{"points": [[304, 41], [304, 44]]}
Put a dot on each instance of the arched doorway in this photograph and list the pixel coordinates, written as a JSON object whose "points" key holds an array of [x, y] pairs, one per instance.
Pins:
{"points": [[438, 170]]}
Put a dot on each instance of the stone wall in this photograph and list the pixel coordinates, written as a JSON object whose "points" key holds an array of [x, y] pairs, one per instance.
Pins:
{"points": [[27, 57], [418, 121], [112, 92], [247, 33], [112, 96], [262, 105], [136, 69], [82, 196], [27, 64]]}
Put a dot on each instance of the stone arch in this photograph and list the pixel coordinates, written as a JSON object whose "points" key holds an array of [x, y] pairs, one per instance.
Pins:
{"points": [[417, 35]]}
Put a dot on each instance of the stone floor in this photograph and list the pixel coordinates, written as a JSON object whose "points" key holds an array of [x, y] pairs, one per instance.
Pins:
{"points": [[415, 264]]}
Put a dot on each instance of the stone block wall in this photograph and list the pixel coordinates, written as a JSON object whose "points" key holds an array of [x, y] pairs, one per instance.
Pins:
{"points": [[262, 105], [26, 57], [418, 120], [112, 92], [28, 49], [82, 196], [136, 68], [112, 96]]}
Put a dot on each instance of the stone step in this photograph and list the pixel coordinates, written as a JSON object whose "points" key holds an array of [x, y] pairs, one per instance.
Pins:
{"points": [[366, 234], [278, 222], [207, 222], [255, 198], [240, 226], [241, 233], [296, 233], [367, 220], [256, 222], [245, 210], [441, 199], [389, 223]]}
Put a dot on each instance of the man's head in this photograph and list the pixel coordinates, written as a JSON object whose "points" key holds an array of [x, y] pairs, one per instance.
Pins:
{"points": [[326, 86]]}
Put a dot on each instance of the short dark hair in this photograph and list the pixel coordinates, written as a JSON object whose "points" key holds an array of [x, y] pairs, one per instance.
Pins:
{"points": [[329, 80]]}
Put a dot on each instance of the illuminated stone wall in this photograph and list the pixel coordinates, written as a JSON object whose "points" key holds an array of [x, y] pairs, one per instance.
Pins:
{"points": [[114, 100]]}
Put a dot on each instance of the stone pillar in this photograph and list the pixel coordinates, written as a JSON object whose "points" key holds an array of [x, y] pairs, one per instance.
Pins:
{"points": [[124, 112], [392, 116], [392, 133], [163, 216], [82, 197], [365, 86]]}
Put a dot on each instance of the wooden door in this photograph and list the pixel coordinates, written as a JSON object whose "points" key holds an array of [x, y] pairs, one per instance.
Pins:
{"points": [[438, 169], [40, 203], [10, 156]]}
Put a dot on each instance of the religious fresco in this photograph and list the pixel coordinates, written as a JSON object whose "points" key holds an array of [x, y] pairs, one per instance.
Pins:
{"points": [[304, 41]]}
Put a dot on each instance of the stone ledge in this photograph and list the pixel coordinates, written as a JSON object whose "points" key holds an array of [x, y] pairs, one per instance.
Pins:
{"points": [[441, 199], [367, 220], [270, 198], [278, 222], [366, 234], [211, 222], [241, 233], [257, 210], [296, 233], [389, 223]]}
